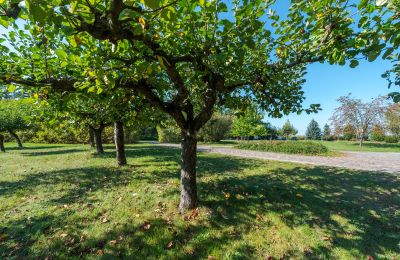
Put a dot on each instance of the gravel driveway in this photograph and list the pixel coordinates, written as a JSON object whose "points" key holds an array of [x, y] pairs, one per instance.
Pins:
{"points": [[369, 161]]}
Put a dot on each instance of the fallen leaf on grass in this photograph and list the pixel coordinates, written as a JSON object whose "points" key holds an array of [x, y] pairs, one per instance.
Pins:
{"points": [[146, 225], [113, 242], [170, 244], [326, 238], [100, 252], [104, 220], [63, 235]]}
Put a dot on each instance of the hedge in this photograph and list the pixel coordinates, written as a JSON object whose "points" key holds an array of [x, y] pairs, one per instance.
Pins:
{"points": [[290, 147]]}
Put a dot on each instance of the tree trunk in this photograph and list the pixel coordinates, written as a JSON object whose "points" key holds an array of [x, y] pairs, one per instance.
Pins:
{"points": [[91, 138], [188, 171], [2, 148], [19, 143], [119, 143], [361, 141], [99, 141]]}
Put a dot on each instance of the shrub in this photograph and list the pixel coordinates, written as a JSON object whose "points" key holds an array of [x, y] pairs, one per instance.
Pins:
{"points": [[215, 129], [290, 147], [168, 134], [391, 139], [377, 133]]}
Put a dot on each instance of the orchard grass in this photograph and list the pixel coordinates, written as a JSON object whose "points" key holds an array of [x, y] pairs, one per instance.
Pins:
{"points": [[62, 201]]}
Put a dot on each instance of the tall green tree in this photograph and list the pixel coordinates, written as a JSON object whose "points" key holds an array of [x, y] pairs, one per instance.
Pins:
{"points": [[313, 131], [326, 132], [288, 130], [186, 58], [248, 123]]}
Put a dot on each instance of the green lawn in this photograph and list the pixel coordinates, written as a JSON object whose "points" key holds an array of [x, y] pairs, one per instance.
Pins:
{"points": [[62, 201], [367, 146]]}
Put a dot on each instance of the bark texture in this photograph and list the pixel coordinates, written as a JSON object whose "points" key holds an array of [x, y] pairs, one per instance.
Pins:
{"points": [[189, 198], [19, 143], [119, 143], [2, 148], [91, 138], [97, 136]]}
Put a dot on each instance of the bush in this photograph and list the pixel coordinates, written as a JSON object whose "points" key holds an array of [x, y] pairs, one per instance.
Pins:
{"points": [[377, 134], [215, 129], [391, 139], [290, 147], [168, 134], [330, 138]]}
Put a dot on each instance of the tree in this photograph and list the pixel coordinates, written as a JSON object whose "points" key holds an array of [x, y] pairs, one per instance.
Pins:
{"points": [[326, 132], [217, 128], [392, 117], [377, 133], [185, 58], [248, 123], [313, 131], [15, 116], [361, 116], [288, 129]]}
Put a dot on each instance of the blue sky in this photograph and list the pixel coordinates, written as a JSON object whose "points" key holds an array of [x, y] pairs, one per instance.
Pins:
{"points": [[325, 83]]}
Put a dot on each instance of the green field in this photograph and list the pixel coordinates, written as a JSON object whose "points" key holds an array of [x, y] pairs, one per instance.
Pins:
{"points": [[61, 201], [367, 146]]}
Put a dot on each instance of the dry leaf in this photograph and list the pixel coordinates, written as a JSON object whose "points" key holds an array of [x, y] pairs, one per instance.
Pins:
{"points": [[113, 242], [104, 220], [298, 195], [326, 238], [170, 244], [227, 195], [210, 257], [63, 235], [146, 225], [100, 252], [119, 199], [258, 217], [370, 258]]}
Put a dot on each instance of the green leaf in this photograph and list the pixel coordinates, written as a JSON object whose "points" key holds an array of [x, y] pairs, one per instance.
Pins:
{"points": [[61, 54], [372, 55], [202, 2], [354, 63], [387, 53], [4, 21], [11, 88], [362, 4], [153, 4]]}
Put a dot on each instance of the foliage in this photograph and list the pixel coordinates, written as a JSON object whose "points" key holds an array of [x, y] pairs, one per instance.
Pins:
{"points": [[313, 131], [290, 147], [86, 206], [216, 129], [168, 132], [393, 119], [377, 133], [288, 129], [359, 115], [349, 133], [16, 115], [327, 133], [248, 123], [390, 139]]}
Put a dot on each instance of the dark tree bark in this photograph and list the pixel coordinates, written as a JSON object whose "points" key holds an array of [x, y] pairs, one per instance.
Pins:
{"points": [[91, 138], [189, 198], [119, 143], [19, 143], [2, 148], [97, 136]]}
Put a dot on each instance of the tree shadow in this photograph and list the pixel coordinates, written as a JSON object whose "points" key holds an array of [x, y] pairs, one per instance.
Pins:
{"points": [[314, 197], [376, 145], [33, 147], [52, 152]]}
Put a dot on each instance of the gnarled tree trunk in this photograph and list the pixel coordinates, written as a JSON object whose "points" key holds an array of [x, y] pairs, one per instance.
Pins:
{"points": [[119, 142], [189, 198], [91, 138], [19, 143], [2, 148]]}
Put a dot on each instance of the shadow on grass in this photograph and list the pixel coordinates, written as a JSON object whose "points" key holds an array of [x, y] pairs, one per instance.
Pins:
{"points": [[376, 145], [300, 196], [33, 147], [52, 152]]}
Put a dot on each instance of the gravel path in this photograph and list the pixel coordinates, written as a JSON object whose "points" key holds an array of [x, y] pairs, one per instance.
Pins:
{"points": [[369, 161]]}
